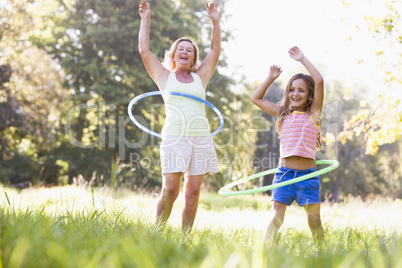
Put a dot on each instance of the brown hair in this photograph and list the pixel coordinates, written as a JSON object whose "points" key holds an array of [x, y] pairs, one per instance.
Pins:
{"points": [[287, 107], [169, 55]]}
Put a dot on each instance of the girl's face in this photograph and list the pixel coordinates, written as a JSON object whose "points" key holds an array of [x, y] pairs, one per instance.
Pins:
{"points": [[299, 94], [184, 55]]}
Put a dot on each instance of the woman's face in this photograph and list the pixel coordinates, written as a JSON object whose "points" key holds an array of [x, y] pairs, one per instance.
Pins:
{"points": [[184, 55], [298, 94]]}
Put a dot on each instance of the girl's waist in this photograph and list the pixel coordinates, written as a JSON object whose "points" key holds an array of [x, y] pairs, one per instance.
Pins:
{"points": [[297, 163]]}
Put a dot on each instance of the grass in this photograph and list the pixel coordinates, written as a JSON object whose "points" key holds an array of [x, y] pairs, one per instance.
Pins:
{"points": [[78, 227]]}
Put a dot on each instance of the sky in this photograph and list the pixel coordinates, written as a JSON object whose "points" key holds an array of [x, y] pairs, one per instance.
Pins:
{"points": [[333, 37]]}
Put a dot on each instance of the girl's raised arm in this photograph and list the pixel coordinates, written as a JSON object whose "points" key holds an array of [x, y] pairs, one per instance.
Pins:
{"points": [[154, 67], [258, 96], [208, 66], [316, 107]]}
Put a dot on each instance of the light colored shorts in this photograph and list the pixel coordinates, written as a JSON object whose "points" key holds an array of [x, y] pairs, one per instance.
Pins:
{"points": [[192, 155]]}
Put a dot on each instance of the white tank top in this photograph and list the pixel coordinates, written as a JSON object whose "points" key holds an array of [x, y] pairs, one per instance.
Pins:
{"points": [[185, 116]]}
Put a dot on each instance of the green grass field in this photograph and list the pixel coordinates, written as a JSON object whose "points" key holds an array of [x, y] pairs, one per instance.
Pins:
{"points": [[76, 227]]}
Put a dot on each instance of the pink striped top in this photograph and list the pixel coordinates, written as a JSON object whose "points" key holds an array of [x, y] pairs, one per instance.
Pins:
{"points": [[298, 135]]}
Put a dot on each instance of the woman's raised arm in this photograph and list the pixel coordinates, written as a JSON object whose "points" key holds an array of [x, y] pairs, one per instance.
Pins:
{"points": [[153, 66], [208, 66]]}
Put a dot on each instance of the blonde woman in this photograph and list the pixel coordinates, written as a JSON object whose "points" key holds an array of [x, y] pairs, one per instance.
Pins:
{"points": [[186, 147]]}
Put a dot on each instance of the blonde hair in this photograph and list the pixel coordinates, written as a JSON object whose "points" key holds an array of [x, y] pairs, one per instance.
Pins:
{"points": [[287, 107], [168, 61]]}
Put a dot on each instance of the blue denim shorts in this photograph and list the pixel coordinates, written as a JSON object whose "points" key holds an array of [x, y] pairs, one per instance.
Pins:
{"points": [[304, 192]]}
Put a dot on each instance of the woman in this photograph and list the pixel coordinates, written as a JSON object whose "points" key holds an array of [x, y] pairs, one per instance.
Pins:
{"points": [[186, 146]]}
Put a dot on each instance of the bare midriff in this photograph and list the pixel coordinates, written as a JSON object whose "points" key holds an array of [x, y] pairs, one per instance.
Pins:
{"points": [[297, 162]]}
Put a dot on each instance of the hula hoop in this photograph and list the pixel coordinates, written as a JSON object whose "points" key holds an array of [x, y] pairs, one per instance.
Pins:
{"points": [[223, 191], [153, 93]]}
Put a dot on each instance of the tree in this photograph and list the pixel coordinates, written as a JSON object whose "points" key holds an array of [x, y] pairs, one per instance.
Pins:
{"points": [[370, 120], [359, 174], [31, 95]]}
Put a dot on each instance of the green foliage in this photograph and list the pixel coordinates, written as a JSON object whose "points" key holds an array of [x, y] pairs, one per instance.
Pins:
{"points": [[19, 169], [361, 174], [31, 97], [384, 25]]}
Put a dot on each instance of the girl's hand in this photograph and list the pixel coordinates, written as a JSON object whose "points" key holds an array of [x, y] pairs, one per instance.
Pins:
{"points": [[213, 13], [296, 53], [145, 10], [274, 71]]}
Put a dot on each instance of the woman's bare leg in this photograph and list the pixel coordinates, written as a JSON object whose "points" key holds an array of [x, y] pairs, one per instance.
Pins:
{"points": [[192, 191], [169, 193]]}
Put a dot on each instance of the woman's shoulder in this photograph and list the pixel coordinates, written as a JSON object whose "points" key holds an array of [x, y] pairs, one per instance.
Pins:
{"points": [[171, 76], [164, 79], [197, 78], [195, 75]]}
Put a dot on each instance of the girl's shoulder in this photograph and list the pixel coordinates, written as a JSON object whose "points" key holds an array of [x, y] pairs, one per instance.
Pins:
{"points": [[315, 117], [312, 117]]}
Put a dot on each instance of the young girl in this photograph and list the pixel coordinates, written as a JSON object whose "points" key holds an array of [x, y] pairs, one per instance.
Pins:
{"points": [[298, 126]]}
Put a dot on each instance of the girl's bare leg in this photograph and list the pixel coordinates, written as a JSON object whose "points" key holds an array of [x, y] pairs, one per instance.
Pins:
{"points": [[278, 218], [314, 221]]}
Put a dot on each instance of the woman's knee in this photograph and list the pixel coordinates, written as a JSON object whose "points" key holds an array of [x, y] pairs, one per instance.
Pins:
{"points": [[170, 193], [193, 187], [192, 195]]}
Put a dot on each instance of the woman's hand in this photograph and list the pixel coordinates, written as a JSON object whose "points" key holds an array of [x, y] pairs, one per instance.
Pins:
{"points": [[296, 53], [213, 12], [145, 10], [274, 71]]}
